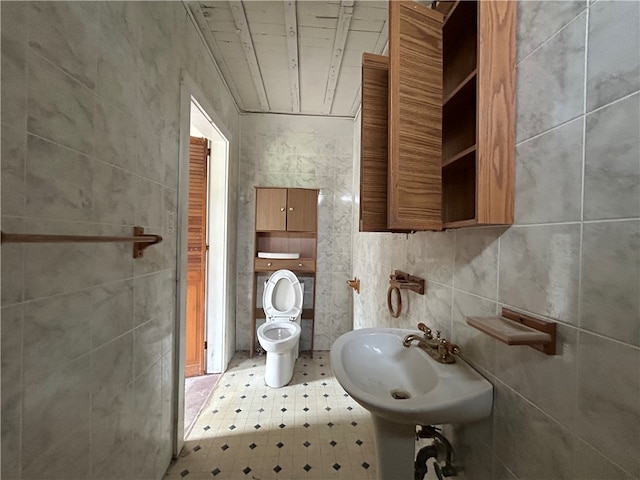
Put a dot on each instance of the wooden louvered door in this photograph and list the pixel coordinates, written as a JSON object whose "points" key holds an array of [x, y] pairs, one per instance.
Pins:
{"points": [[196, 257]]}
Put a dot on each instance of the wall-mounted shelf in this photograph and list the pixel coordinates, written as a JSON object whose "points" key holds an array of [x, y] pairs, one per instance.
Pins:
{"points": [[514, 328], [448, 161], [468, 79]]}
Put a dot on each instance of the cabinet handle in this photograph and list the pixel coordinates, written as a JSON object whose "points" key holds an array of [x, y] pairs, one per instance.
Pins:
{"points": [[291, 209], [269, 264], [299, 264], [282, 209]]}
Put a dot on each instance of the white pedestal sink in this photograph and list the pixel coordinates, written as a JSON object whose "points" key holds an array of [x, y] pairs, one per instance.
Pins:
{"points": [[404, 387]]}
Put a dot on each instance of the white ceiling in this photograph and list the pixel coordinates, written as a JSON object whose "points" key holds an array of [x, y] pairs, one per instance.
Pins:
{"points": [[288, 56]]}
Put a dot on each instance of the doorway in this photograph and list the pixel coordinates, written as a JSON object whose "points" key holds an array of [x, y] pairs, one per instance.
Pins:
{"points": [[215, 239], [201, 348]]}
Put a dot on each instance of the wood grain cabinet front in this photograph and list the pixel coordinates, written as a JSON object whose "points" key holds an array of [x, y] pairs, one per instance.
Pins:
{"points": [[286, 209], [450, 119]]}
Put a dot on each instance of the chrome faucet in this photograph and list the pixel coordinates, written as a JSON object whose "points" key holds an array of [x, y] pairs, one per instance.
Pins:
{"points": [[440, 349]]}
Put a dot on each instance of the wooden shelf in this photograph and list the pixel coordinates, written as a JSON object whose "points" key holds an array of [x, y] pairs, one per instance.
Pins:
{"points": [[515, 328], [459, 190], [461, 223], [460, 44], [507, 331], [447, 7], [459, 120], [458, 156], [298, 265], [460, 86]]}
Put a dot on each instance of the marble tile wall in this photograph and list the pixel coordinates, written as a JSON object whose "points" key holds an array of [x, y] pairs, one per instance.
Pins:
{"points": [[305, 152], [573, 255], [90, 137]]}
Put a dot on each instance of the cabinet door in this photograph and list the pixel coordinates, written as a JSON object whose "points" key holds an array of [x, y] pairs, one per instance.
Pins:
{"points": [[302, 210], [496, 107], [374, 152], [271, 209], [415, 117]]}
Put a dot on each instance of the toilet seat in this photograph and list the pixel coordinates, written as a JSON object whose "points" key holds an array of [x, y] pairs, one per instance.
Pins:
{"points": [[282, 297]]}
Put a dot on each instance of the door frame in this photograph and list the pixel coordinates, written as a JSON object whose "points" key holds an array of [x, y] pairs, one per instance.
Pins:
{"points": [[217, 220], [217, 333]]}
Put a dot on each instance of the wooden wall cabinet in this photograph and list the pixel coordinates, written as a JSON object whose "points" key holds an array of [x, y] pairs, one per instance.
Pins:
{"points": [[451, 138], [286, 209], [286, 222]]}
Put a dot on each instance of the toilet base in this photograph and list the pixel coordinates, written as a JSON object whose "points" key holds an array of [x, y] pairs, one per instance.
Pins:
{"points": [[278, 370]]}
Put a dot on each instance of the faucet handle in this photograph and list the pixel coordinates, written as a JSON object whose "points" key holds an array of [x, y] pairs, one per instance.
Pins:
{"points": [[426, 330], [450, 348]]}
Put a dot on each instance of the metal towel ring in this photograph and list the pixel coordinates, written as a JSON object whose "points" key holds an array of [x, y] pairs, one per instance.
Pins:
{"points": [[394, 314]]}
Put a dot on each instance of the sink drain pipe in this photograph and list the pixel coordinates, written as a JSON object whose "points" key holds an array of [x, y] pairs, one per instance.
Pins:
{"points": [[420, 465], [441, 447]]}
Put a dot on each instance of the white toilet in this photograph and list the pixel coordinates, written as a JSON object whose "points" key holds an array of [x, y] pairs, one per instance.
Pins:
{"points": [[280, 334]]}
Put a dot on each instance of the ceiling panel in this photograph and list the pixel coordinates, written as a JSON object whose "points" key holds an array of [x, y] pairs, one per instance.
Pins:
{"points": [[318, 14], [279, 69], [315, 37], [264, 12], [356, 45]]}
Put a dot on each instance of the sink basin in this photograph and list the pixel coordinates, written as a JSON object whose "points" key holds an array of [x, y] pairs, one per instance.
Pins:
{"points": [[405, 385]]}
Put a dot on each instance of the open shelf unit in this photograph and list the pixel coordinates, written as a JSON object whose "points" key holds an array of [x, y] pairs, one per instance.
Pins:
{"points": [[459, 123], [459, 190], [478, 113], [286, 222], [459, 115], [459, 46]]}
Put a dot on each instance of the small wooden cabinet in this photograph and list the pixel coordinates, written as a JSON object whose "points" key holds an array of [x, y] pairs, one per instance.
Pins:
{"points": [[451, 140], [286, 209], [286, 222]]}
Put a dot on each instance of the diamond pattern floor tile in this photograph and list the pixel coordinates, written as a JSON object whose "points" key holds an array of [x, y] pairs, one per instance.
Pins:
{"points": [[309, 429]]}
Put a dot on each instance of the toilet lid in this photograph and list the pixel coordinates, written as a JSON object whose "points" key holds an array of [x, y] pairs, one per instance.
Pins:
{"points": [[282, 297]]}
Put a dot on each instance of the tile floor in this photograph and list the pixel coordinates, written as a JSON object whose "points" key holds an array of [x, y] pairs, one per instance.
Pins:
{"points": [[310, 429], [196, 392]]}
